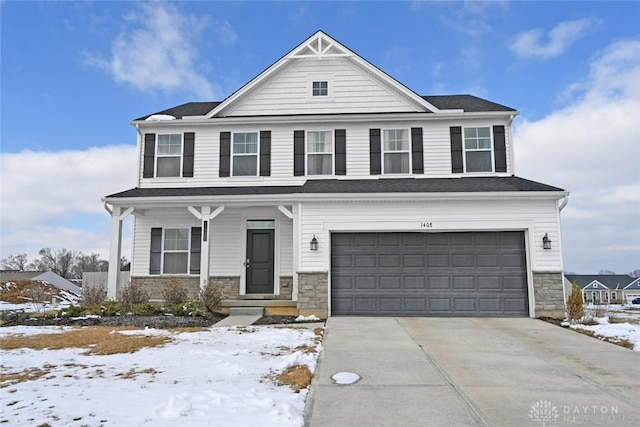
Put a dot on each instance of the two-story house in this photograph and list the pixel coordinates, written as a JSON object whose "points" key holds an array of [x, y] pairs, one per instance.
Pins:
{"points": [[326, 185]]}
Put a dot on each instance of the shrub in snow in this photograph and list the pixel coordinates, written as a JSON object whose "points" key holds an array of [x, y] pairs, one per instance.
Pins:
{"points": [[575, 306], [174, 292], [133, 293], [92, 295], [211, 296]]}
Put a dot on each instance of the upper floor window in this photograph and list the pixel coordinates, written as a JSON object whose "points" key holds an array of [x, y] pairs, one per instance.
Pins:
{"points": [[175, 251], [169, 155], [320, 88], [396, 151], [478, 151], [319, 153], [245, 154]]}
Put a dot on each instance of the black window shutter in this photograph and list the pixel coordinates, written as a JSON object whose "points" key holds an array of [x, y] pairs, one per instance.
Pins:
{"points": [[196, 244], [341, 151], [375, 160], [149, 155], [265, 153], [187, 154], [456, 149], [417, 159], [155, 257], [298, 153], [225, 154], [499, 149]]}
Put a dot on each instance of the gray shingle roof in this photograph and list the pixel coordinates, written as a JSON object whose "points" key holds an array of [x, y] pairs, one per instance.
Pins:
{"points": [[188, 109], [468, 103], [366, 186], [611, 281]]}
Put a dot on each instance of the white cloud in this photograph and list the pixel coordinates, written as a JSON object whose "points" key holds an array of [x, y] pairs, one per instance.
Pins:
{"points": [[157, 50], [226, 33], [52, 199], [531, 44], [591, 148]]}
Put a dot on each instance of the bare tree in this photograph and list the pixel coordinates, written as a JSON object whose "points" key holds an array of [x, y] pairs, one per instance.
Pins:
{"points": [[606, 272], [59, 261], [88, 263], [635, 273], [15, 262]]}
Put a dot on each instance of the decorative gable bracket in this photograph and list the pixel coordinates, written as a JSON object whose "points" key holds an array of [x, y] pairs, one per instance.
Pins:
{"points": [[319, 46]]}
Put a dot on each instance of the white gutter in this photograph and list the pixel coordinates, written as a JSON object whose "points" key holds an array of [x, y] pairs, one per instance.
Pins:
{"points": [[323, 118], [565, 200]]}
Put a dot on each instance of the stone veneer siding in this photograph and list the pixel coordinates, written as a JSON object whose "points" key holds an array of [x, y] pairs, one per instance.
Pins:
{"points": [[154, 285], [549, 295], [313, 294]]}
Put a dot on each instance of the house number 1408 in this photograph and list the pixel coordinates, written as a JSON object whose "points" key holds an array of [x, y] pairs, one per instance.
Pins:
{"points": [[426, 225]]}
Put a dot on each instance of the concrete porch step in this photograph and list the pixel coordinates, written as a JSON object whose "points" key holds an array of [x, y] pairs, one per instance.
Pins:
{"points": [[246, 311]]}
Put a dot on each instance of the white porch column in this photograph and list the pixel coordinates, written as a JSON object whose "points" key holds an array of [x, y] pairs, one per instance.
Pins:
{"points": [[205, 215], [296, 249], [115, 249]]}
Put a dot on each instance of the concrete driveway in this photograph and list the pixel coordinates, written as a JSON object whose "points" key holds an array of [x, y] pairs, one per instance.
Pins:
{"points": [[471, 372]]}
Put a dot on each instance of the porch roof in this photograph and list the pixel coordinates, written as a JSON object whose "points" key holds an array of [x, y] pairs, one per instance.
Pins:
{"points": [[353, 186]]}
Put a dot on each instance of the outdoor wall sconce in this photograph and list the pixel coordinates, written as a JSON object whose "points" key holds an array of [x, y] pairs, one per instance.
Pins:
{"points": [[313, 244], [546, 241]]}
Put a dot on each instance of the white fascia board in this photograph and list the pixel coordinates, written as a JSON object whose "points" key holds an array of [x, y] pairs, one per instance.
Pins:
{"points": [[275, 199]]}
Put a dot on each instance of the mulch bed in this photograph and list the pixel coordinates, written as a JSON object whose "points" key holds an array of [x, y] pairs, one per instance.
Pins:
{"points": [[157, 322]]}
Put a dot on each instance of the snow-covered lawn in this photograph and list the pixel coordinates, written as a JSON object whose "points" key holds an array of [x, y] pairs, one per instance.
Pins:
{"points": [[614, 323], [213, 377]]}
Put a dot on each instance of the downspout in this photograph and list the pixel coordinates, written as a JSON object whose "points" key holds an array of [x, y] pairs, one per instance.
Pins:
{"points": [[565, 200], [107, 208]]}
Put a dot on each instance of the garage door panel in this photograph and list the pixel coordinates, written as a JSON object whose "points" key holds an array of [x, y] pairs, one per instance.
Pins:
{"points": [[462, 260], [429, 274], [414, 282], [438, 260], [365, 260], [391, 304], [390, 283], [390, 261], [464, 282]]}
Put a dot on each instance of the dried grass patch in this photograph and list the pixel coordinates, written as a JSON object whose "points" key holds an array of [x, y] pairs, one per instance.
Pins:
{"points": [[624, 320], [620, 342], [32, 374], [99, 340], [298, 377], [132, 373], [188, 329], [24, 291]]}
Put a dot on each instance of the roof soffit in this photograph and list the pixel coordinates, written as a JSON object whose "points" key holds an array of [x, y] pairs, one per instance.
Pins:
{"points": [[319, 46]]}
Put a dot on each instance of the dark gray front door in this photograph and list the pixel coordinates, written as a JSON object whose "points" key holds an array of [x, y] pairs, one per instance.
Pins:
{"points": [[429, 274], [259, 263]]}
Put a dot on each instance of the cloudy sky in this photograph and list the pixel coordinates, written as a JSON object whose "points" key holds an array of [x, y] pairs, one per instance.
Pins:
{"points": [[74, 74]]}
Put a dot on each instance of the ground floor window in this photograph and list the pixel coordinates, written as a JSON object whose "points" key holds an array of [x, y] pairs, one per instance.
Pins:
{"points": [[175, 251]]}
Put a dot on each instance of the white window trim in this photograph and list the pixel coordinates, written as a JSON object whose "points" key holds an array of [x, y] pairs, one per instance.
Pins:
{"points": [[491, 150], [158, 155], [320, 78], [256, 154], [383, 152], [307, 153], [188, 250]]}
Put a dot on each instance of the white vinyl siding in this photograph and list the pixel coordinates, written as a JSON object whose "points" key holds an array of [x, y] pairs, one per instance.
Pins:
{"points": [[534, 217], [436, 147], [354, 91]]}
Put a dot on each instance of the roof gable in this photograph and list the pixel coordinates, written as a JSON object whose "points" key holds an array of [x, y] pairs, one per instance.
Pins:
{"points": [[329, 58], [610, 281]]}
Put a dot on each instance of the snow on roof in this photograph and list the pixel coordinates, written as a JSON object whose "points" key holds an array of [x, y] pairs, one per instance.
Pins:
{"points": [[160, 117]]}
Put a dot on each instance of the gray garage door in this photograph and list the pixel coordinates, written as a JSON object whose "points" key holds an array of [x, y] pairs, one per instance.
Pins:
{"points": [[429, 274]]}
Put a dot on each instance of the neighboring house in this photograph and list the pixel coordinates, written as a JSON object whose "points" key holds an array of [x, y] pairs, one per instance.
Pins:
{"points": [[40, 276], [605, 288], [326, 186]]}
